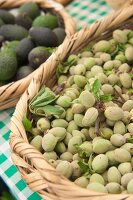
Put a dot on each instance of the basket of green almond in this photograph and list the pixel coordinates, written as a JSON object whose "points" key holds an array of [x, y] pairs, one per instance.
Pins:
{"points": [[29, 32], [72, 130]]}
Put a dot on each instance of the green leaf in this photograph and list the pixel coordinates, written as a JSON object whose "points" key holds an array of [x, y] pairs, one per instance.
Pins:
{"points": [[38, 94], [121, 47], [106, 97], [43, 98], [113, 54], [27, 124], [49, 111], [84, 167], [56, 111], [96, 88], [82, 153], [72, 60], [90, 163], [63, 67], [108, 72], [130, 140]]}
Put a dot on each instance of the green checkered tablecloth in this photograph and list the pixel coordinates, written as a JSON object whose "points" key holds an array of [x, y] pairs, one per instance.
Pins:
{"points": [[84, 12]]}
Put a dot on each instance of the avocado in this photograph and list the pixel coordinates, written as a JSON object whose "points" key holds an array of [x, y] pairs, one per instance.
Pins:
{"points": [[13, 32], [60, 33], [3, 83], [10, 46], [7, 17], [43, 37], [31, 9], [23, 20], [23, 49], [8, 65], [1, 22], [23, 71], [38, 55], [49, 21]]}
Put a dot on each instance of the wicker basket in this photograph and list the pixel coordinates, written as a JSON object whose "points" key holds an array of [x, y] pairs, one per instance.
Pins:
{"points": [[64, 2], [35, 170], [10, 93], [116, 4]]}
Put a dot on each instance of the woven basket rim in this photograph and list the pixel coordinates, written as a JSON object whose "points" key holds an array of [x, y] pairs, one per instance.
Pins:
{"points": [[10, 93], [47, 182], [118, 4]]}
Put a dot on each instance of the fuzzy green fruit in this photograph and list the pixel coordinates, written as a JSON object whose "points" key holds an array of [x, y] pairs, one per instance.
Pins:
{"points": [[49, 21], [8, 65], [65, 168], [100, 163]]}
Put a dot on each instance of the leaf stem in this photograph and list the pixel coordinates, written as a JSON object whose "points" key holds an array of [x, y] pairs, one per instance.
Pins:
{"points": [[58, 89], [97, 122], [118, 101]]}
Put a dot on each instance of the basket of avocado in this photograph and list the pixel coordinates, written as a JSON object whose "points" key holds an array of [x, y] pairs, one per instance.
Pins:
{"points": [[29, 33], [72, 130]]}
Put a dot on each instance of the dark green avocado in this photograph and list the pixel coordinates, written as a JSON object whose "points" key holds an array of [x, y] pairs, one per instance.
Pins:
{"points": [[8, 65], [7, 17], [38, 55], [23, 20], [13, 32], [31, 9], [43, 37], [23, 49]]}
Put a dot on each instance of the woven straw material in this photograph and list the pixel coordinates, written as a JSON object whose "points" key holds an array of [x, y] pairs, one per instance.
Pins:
{"points": [[64, 2], [10, 93], [116, 4], [35, 170]]}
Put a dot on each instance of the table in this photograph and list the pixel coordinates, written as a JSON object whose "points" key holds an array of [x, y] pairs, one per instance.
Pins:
{"points": [[84, 12]]}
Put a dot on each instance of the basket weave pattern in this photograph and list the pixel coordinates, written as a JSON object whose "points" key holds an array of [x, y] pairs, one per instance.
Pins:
{"points": [[116, 4], [64, 2], [10, 93], [35, 170]]}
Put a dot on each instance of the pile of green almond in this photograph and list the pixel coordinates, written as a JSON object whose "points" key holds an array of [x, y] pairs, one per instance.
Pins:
{"points": [[84, 125], [28, 36]]}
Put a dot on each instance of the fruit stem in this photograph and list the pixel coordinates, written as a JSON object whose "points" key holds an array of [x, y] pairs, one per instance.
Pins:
{"points": [[97, 122], [59, 88], [118, 101], [123, 100]]}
